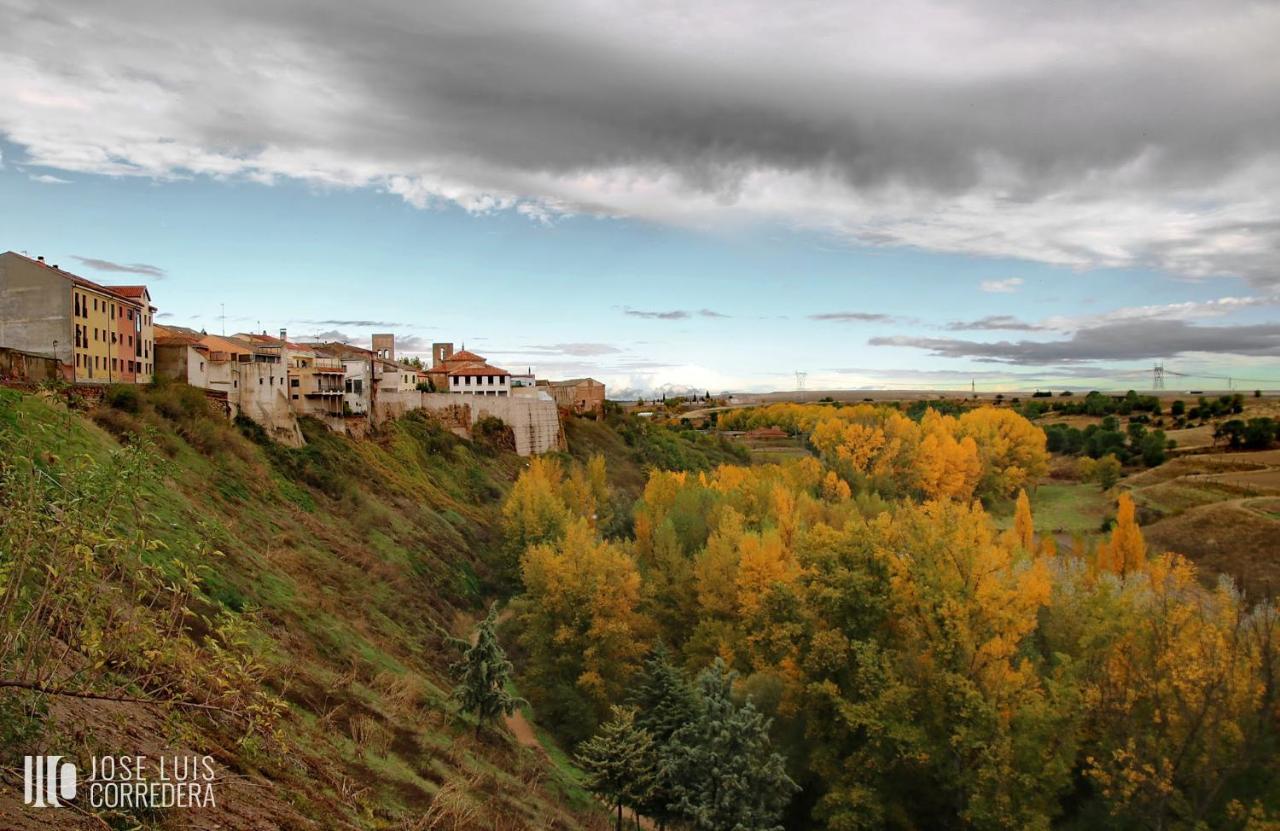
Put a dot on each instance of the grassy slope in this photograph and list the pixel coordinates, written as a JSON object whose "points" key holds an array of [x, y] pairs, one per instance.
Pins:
{"points": [[352, 554]]}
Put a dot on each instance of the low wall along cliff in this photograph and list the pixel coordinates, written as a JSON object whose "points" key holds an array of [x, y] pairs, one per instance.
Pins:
{"points": [[535, 423]]}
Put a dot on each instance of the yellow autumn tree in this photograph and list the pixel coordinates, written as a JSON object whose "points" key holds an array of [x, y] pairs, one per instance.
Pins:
{"points": [[1126, 551], [1023, 525], [535, 511], [1011, 448], [579, 620], [1178, 701], [948, 468], [835, 489]]}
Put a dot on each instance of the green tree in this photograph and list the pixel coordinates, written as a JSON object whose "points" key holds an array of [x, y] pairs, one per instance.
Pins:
{"points": [[727, 776], [665, 703], [483, 673], [1153, 448], [664, 700], [620, 762], [1106, 472]]}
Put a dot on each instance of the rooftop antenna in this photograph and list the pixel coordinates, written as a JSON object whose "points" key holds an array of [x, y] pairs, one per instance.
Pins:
{"points": [[1157, 376], [224, 319]]}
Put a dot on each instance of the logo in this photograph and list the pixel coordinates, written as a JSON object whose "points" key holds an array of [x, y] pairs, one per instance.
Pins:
{"points": [[45, 782]]}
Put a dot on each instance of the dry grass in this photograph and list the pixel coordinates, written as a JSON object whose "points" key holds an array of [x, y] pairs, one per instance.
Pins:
{"points": [[1222, 510], [1231, 538]]}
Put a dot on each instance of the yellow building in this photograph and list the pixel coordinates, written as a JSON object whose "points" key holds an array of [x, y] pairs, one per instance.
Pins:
{"points": [[98, 333]]}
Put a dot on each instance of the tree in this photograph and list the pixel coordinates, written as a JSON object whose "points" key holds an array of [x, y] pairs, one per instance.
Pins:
{"points": [[664, 703], [1023, 525], [1105, 471], [1011, 448], [725, 771], [1153, 448], [483, 673], [1126, 552], [620, 762], [663, 699], [581, 628]]}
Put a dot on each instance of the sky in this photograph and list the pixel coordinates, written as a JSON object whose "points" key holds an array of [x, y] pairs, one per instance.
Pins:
{"points": [[666, 195]]}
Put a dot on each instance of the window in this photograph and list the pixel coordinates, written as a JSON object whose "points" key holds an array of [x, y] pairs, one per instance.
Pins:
{"points": [[114, 366], [77, 359], [293, 382], [295, 396], [202, 366], [259, 382]]}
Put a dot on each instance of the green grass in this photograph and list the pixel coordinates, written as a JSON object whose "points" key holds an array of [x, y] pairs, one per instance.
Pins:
{"points": [[1061, 508], [351, 555]]}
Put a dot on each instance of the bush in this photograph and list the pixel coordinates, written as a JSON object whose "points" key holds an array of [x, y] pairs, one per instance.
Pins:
{"points": [[123, 397]]}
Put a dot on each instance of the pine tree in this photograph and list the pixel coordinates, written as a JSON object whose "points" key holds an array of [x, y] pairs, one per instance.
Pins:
{"points": [[483, 673], [664, 700], [619, 761], [665, 703], [726, 775]]}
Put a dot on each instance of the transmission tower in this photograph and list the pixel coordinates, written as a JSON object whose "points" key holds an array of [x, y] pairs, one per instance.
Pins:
{"points": [[1157, 376], [800, 376]]}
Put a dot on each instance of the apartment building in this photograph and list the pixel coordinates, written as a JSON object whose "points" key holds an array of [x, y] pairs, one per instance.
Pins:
{"points": [[99, 334]]}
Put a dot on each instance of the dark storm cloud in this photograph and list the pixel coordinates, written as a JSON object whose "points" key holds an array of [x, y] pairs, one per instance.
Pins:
{"points": [[1134, 340], [1094, 134], [122, 268]]}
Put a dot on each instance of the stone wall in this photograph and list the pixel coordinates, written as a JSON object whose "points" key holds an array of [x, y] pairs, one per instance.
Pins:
{"points": [[34, 369], [535, 423]]}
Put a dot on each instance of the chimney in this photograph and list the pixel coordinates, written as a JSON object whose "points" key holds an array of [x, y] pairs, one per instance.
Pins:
{"points": [[40, 258], [284, 337]]}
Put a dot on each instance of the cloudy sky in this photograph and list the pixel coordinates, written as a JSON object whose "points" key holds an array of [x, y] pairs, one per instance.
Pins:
{"points": [[719, 195]]}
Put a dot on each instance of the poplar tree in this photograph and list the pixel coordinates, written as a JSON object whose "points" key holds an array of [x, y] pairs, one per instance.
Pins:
{"points": [[725, 774], [483, 673], [619, 761]]}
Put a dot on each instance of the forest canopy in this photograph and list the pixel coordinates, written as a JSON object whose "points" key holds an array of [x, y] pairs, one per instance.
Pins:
{"points": [[920, 668]]}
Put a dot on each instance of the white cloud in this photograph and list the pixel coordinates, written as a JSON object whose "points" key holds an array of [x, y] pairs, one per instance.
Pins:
{"points": [[1126, 135], [47, 179], [1002, 286]]}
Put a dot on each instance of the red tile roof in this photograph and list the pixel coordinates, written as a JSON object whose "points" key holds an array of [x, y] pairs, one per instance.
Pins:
{"points": [[478, 370], [464, 355], [129, 291]]}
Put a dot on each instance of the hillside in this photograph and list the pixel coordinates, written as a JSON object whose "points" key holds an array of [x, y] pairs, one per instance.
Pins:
{"points": [[198, 563]]}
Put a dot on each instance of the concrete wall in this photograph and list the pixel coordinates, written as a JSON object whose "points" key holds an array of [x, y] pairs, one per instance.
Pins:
{"points": [[182, 362], [535, 422], [264, 397], [35, 309]]}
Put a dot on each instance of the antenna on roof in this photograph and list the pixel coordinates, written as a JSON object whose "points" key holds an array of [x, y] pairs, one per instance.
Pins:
{"points": [[224, 320]]}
